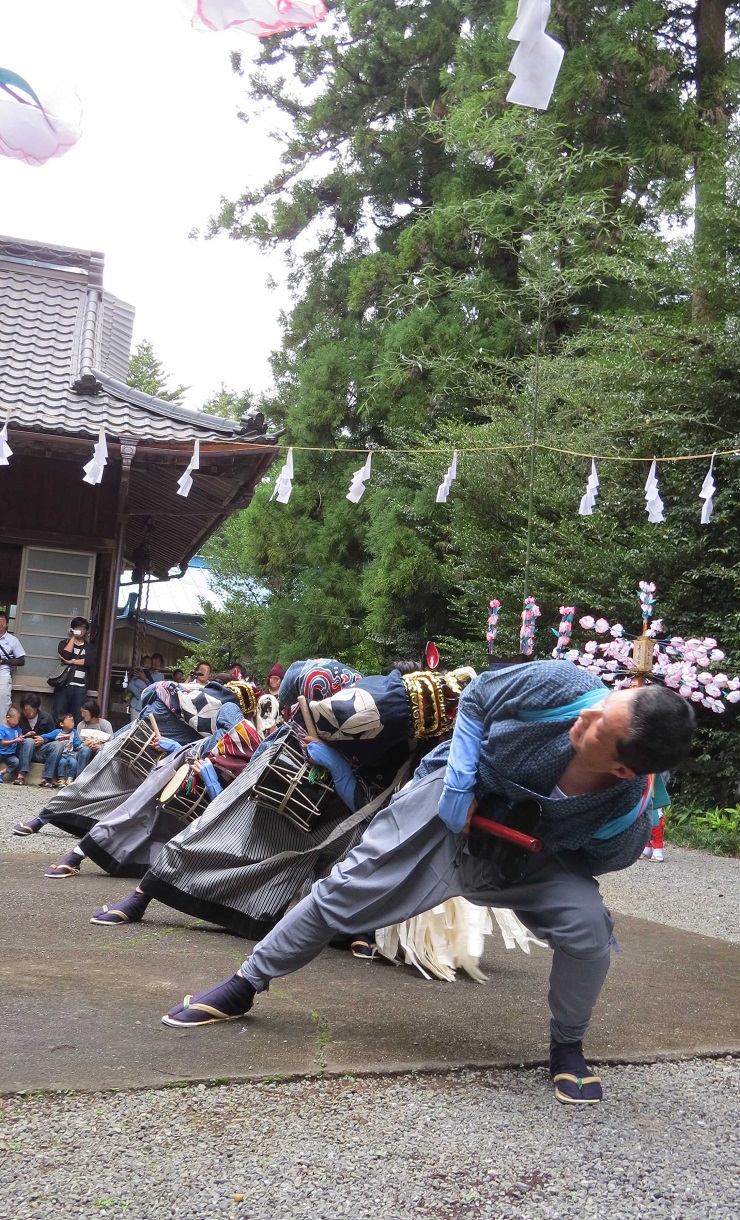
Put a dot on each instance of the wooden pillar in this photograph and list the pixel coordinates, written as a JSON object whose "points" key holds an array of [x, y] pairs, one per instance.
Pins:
{"points": [[128, 450]]}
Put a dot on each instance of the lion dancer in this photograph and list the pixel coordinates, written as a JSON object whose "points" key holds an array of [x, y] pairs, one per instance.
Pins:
{"points": [[545, 732]]}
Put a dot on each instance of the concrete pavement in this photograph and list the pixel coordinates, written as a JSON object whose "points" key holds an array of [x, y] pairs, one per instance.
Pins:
{"points": [[80, 1004]]}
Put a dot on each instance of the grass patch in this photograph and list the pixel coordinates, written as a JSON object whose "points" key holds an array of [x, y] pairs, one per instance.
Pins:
{"points": [[713, 830]]}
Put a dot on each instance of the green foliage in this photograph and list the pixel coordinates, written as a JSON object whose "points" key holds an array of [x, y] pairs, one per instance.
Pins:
{"points": [[470, 275], [714, 830], [145, 372]]}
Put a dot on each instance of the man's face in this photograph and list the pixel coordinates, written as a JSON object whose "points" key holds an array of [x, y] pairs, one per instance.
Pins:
{"points": [[203, 674], [3, 624], [597, 730], [28, 711]]}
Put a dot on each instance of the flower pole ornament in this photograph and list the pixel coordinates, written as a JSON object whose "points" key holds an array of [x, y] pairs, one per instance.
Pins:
{"points": [[530, 614], [33, 131], [588, 499], [564, 632], [264, 18], [687, 666], [495, 608], [536, 62]]}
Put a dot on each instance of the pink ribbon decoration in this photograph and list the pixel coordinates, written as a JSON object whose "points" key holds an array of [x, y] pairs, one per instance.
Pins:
{"points": [[261, 17], [530, 613], [32, 130]]}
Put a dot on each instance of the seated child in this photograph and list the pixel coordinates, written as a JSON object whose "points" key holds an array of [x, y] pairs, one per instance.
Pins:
{"points": [[67, 742], [11, 735]]}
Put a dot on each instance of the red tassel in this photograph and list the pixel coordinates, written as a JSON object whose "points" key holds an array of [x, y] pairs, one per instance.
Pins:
{"points": [[432, 655]]}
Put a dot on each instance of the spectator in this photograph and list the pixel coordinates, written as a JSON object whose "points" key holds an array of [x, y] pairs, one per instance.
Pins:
{"points": [[274, 678], [138, 682], [178, 675], [33, 723], [80, 657], [10, 735], [91, 722], [63, 757], [12, 656], [202, 673], [157, 670]]}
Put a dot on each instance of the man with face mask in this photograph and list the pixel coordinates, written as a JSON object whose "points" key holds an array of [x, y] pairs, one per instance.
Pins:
{"points": [[546, 736]]}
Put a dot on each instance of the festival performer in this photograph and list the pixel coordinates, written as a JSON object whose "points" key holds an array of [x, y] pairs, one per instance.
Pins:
{"points": [[182, 713], [129, 838], [241, 864], [545, 733]]}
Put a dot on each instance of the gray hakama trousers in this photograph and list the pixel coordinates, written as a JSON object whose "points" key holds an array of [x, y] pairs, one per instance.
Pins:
{"points": [[408, 862]]}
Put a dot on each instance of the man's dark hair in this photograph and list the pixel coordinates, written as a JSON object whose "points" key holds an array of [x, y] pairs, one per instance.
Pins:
{"points": [[410, 665], [31, 700], [157, 656], [79, 622], [663, 725], [92, 706]]}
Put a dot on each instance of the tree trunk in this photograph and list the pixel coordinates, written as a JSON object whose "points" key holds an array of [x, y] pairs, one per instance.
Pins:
{"points": [[710, 162]]}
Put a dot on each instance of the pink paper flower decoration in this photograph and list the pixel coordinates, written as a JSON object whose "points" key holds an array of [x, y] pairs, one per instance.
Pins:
{"points": [[31, 130], [261, 17], [586, 622]]}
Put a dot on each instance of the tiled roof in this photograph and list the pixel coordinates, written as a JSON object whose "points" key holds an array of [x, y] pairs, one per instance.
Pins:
{"points": [[56, 324]]}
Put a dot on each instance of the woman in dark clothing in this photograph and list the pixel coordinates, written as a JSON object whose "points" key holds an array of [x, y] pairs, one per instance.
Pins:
{"points": [[80, 657]]}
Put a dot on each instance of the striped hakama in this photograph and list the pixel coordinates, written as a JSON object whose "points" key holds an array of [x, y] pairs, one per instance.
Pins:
{"points": [[240, 865]]}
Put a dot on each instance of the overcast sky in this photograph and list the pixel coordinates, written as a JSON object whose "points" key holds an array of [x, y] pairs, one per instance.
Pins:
{"points": [[160, 144]]}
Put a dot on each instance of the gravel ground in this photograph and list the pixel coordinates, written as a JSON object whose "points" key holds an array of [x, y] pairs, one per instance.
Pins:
{"points": [[691, 890], [453, 1147], [464, 1145]]}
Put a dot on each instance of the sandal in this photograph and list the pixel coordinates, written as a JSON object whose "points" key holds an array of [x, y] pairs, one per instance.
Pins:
{"points": [[574, 1082], [61, 870], [234, 993], [110, 915], [45, 783], [364, 949], [22, 829], [20, 782]]}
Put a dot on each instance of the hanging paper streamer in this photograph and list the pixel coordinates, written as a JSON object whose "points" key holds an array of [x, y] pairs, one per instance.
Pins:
{"points": [[359, 479], [185, 481], [5, 451], [537, 59], [653, 502], [707, 493], [564, 632], [588, 499], [443, 490], [95, 467], [31, 131], [284, 483], [530, 612], [495, 608], [261, 17]]}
